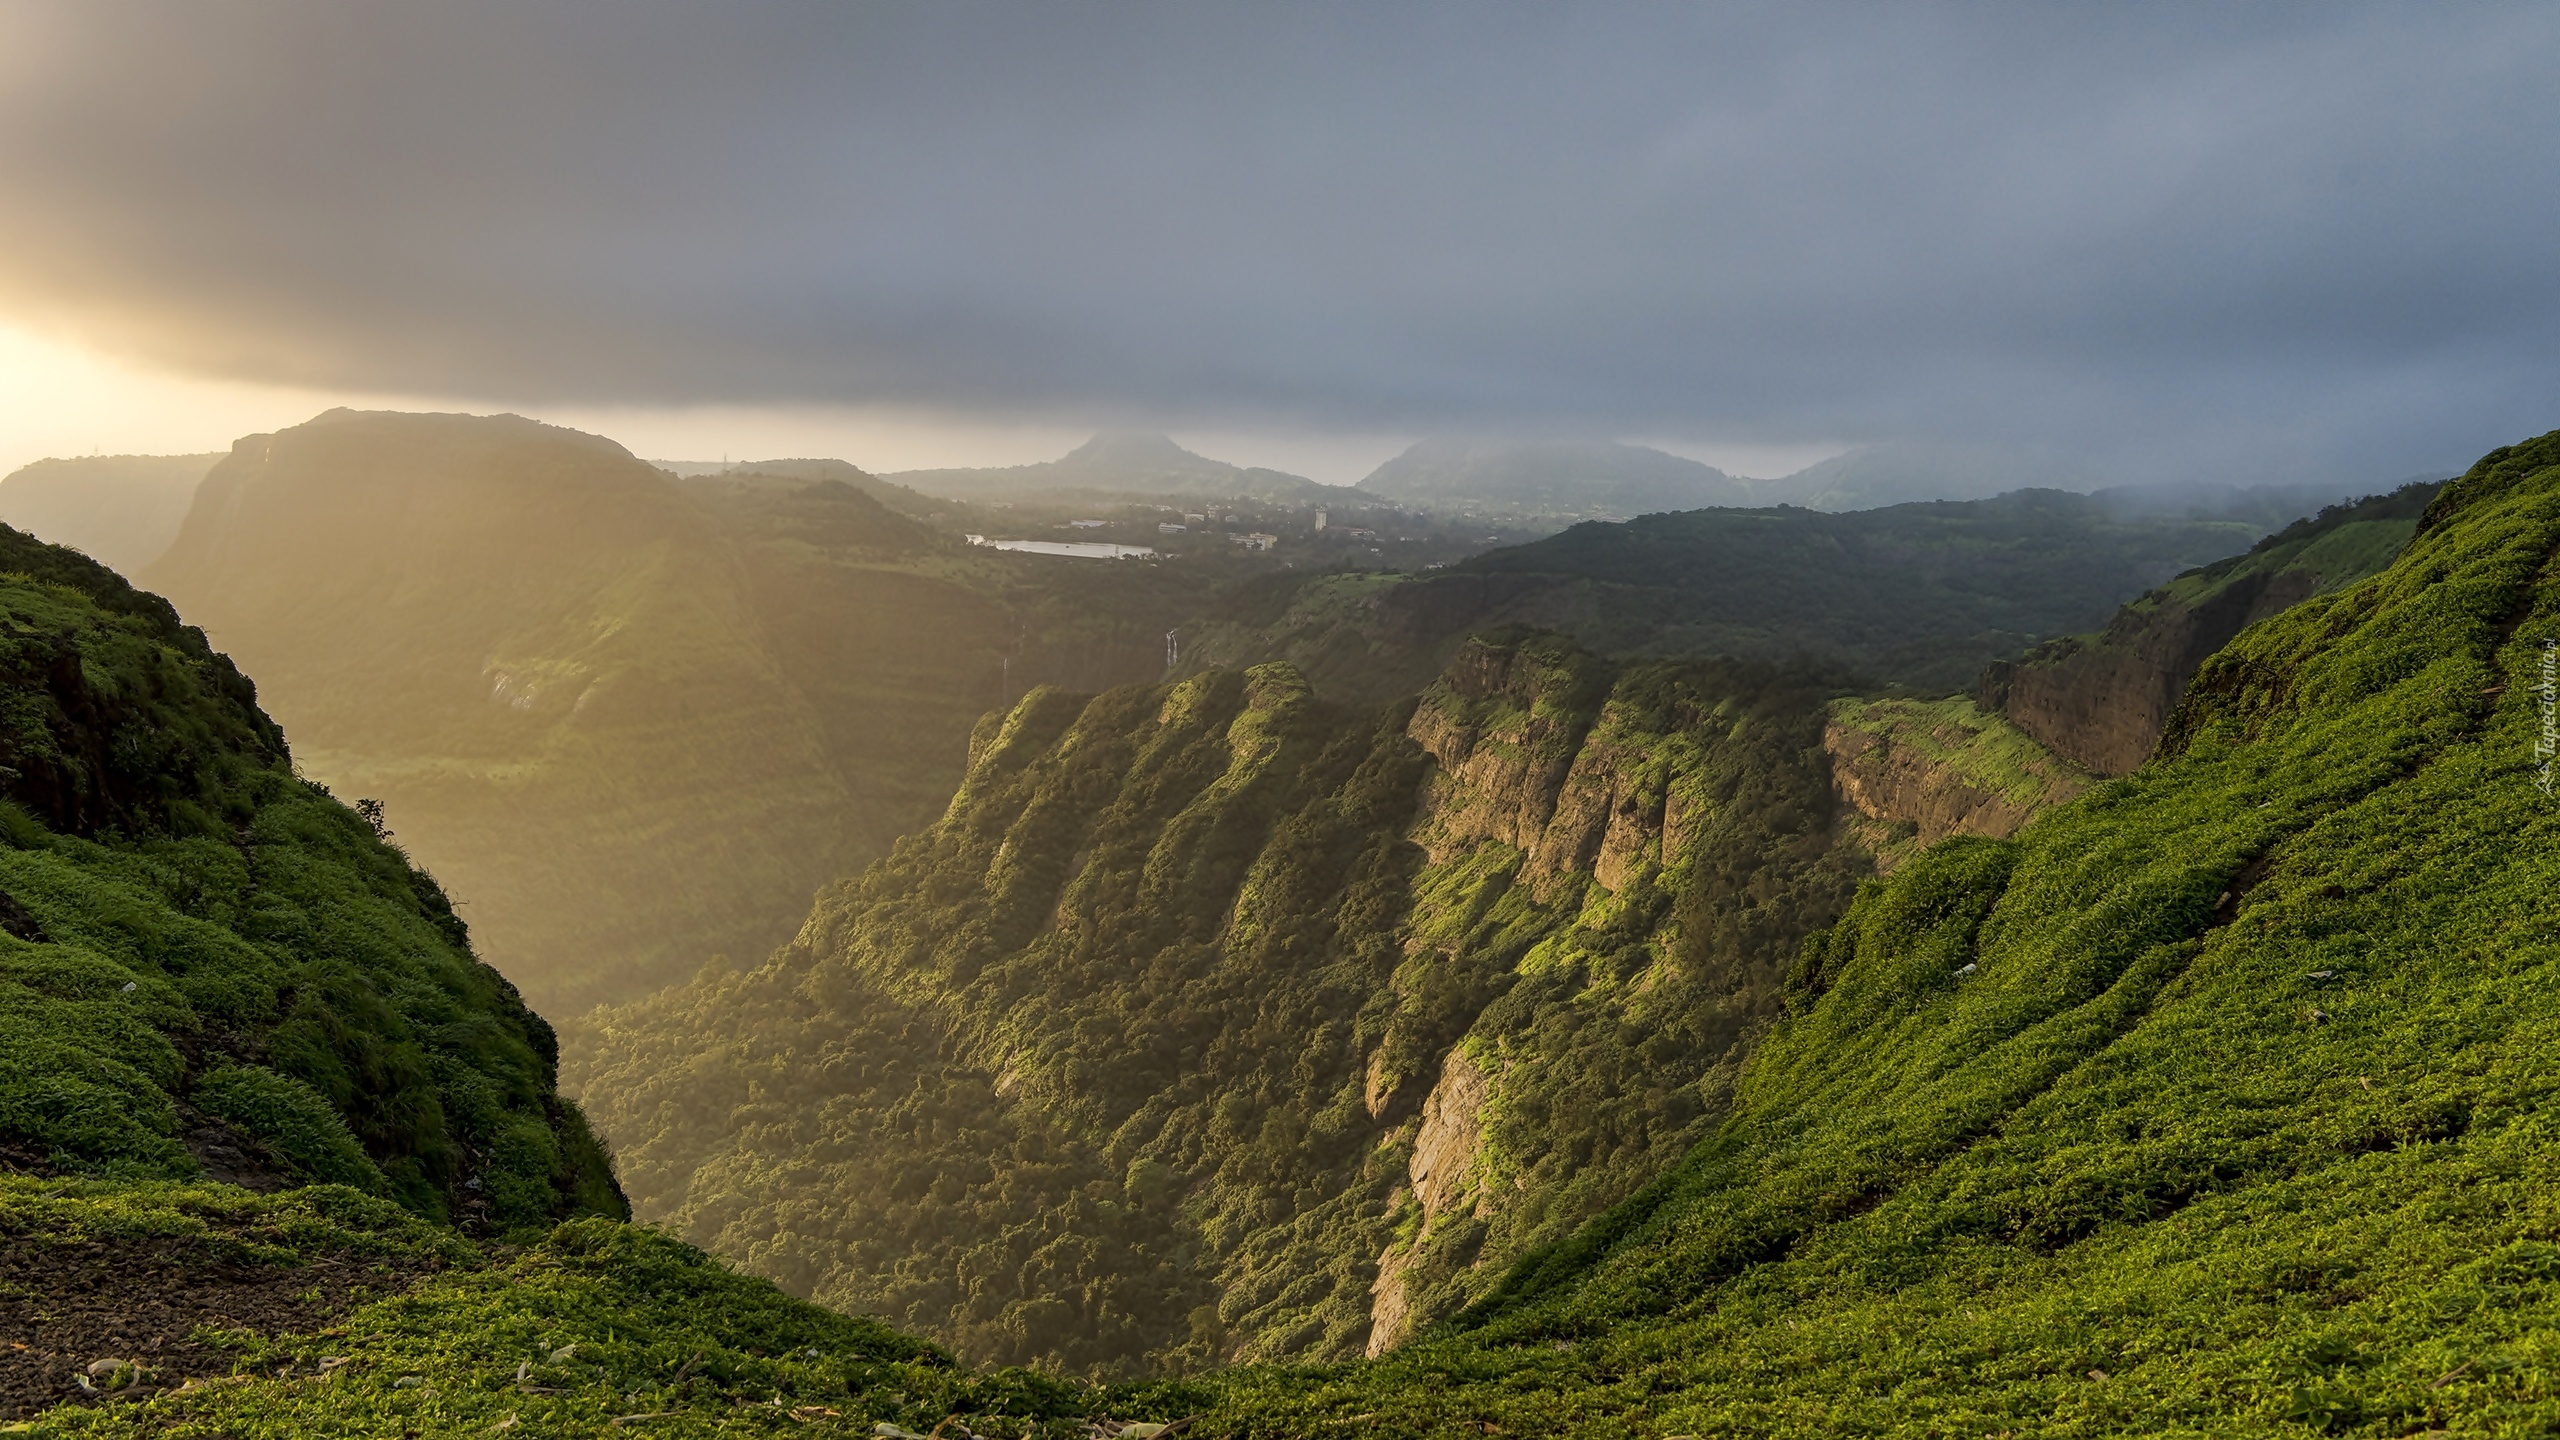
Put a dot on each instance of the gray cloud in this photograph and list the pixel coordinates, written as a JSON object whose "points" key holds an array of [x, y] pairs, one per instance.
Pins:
{"points": [[2225, 240]]}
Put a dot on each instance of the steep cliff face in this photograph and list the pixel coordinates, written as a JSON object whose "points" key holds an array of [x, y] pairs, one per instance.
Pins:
{"points": [[1276, 1029], [2101, 700], [1919, 771]]}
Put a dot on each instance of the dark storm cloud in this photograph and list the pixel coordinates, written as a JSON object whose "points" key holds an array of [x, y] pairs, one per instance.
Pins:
{"points": [[2220, 236]]}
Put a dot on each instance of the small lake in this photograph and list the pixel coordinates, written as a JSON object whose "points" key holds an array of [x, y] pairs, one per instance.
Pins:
{"points": [[1080, 549]]}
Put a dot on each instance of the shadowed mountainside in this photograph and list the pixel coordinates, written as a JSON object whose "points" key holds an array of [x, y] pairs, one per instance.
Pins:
{"points": [[1214, 1021], [1921, 596]]}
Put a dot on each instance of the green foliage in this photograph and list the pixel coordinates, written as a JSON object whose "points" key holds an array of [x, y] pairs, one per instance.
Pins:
{"points": [[293, 1120], [597, 1322], [1123, 1063], [1920, 596], [195, 938], [2216, 1102]]}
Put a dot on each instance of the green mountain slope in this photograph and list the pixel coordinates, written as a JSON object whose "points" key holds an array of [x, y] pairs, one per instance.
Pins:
{"points": [[1915, 595], [2102, 699], [2217, 1102], [212, 967], [1213, 1020]]}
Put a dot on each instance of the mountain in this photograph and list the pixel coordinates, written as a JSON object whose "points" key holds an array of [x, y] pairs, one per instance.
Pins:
{"points": [[1871, 477], [2216, 1102], [1133, 463], [1551, 477], [278, 1155], [1921, 596], [633, 721], [2102, 699], [540, 656], [121, 510], [211, 967]]}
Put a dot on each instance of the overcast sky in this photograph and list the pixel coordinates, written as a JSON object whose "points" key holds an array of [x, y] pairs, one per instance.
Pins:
{"points": [[2237, 241]]}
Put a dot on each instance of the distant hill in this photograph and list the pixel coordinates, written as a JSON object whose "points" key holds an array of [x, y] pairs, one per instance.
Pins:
{"points": [[541, 655], [1555, 477], [1125, 463], [1874, 476], [634, 721], [1916, 595], [120, 510]]}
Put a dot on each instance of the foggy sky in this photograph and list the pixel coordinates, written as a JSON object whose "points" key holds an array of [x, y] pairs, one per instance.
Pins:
{"points": [[2231, 241]]}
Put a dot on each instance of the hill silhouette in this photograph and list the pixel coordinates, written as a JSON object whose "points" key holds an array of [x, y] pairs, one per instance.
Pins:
{"points": [[120, 510]]}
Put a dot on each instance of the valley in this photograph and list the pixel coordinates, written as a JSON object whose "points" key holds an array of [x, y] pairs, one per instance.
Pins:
{"points": [[1255, 1014]]}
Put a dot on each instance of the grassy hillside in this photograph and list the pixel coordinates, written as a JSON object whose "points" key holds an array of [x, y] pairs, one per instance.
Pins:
{"points": [[2218, 1102], [1216, 1021], [212, 967], [1916, 595], [2102, 699]]}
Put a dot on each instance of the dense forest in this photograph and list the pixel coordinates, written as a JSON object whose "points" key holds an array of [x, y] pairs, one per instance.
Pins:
{"points": [[1919, 595], [1214, 1021]]}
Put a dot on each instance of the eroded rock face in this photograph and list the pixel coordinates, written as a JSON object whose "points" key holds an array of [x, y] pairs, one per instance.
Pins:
{"points": [[1532, 757], [1506, 726], [1900, 784], [1443, 1160], [2102, 703]]}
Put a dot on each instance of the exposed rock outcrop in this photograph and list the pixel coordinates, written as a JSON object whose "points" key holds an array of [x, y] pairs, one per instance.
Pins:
{"points": [[1443, 1164], [1924, 770], [2101, 700]]}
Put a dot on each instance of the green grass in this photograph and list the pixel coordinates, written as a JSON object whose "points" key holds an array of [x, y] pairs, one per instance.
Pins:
{"points": [[593, 1322], [196, 936], [2160, 1161]]}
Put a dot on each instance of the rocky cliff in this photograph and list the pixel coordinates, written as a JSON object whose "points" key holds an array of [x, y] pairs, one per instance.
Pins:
{"points": [[2101, 700], [1918, 771], [1246, 1025]]}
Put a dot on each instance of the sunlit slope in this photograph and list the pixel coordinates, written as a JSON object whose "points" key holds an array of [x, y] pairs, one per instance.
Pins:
{"points": [[211, 967], [1216, 1021], [542, 657], [2218, 1102]]}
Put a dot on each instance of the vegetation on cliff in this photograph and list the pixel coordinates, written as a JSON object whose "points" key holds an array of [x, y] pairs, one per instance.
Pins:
{"points": [[1216, 1021], [1919, 596], [2218, 1101], [2101, 699]]}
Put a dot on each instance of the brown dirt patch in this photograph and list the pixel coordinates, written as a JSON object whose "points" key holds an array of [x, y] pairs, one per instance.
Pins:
{"points": [[62, 1308]]}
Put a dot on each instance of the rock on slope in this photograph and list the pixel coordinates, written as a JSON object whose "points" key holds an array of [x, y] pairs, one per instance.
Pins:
{"points": [[2101, 700]]}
